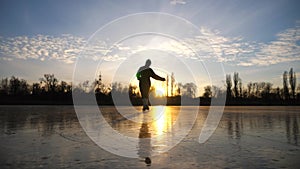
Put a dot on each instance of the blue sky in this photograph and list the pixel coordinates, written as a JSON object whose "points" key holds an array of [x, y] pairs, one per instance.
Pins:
{"points": [[259, 39]]}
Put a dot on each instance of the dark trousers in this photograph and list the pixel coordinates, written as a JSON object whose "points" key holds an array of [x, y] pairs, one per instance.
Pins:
{"points": [[144, 89]]}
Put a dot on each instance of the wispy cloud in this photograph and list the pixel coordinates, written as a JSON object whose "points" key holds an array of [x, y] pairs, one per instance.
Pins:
{"points": [[285, 49], [229, 49], [248, 53], [176, 2], [210, 45], [64, 48]]}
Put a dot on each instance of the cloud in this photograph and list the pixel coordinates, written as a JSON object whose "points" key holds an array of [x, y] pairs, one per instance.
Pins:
{"points": [[176, 2], [210, 45], [43, 47], [65, 48], [237, 51], [284, 49]]}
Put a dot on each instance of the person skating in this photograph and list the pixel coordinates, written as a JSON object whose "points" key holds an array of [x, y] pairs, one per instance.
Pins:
{"points": [[143, 75]]}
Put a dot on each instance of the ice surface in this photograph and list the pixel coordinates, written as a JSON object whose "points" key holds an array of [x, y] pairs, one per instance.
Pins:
{"points": [[246, 137]]}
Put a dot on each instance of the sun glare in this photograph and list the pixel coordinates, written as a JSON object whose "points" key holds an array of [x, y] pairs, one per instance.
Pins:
{"points": [[159, 91]]}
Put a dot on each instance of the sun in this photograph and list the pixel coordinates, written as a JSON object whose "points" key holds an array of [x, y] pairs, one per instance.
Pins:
{"points": [[159, 91]]}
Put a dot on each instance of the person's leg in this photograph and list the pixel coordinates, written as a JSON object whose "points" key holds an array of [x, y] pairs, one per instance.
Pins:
{"points": [[145, 95], [145, 102], [147, 98]]}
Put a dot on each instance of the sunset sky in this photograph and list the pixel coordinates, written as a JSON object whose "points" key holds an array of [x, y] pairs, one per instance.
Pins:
{"points": [[258, 39]]}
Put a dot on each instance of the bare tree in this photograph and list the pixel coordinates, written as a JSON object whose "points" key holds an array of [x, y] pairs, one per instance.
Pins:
{"points": [[207, 92], [216, 91], [167, 83], [267, 90], [14, 85], [278, 95], [17, 86], [240, 87], [249, 89], [4, 88], [293, 82], [228, 86], [179, 87], [117, 88], [100, 87], [285, 86], [298, 91], [50, 82], [172, 83], [189, 90], [36, 89], [86, 86], [235, 82], [256, 89], [63, 87]]}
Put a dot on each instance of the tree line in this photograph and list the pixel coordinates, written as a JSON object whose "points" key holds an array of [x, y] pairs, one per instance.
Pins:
{"points": [[49, 90], [256, 93], [48, 84]]}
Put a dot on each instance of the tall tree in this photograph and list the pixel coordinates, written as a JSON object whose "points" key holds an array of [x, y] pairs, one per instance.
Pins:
{"points": [[293, 82], [167, 83], [24, 87], [228, 86], [278, 95], [100, 86], [249, 89], [4, 88], [285, 86], [63, 87], [267, 90], [50, 81], [36, 89], [256, 89], [172, 83], [235, 82], [14, 85], [240, 87], [179, 87], [298, 91], [17, 86]]}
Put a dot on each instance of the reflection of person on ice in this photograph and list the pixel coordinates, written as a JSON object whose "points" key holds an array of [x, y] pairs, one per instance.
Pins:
{"points": [[143, 75]]}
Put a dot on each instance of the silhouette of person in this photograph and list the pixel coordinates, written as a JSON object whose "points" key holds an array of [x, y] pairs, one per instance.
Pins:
{"points": [[143, 75]]}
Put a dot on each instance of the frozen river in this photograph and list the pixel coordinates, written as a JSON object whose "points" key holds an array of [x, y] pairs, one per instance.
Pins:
{"points": [[246, 137]]}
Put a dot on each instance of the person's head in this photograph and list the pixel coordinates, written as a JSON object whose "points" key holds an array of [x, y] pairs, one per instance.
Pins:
{"points": [[148, 62]]}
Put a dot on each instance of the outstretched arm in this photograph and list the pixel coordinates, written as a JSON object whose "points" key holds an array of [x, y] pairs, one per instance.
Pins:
{"points": [[155, 76]]}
